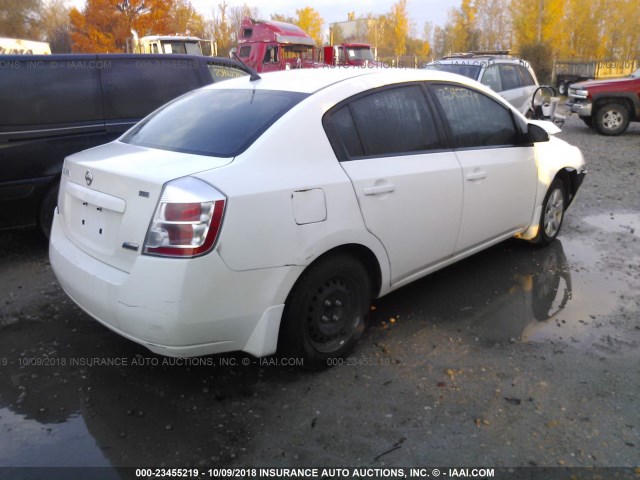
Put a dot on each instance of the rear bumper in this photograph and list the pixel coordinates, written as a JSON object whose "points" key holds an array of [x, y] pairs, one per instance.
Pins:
{"points": [[176, 307]]}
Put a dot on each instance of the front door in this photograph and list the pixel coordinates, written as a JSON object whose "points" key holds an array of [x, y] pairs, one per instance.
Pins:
{"points": [[408, 186]]}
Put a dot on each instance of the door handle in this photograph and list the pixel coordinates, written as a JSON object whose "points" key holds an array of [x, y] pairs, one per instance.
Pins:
{"points": [[476, 175], [378, 189]]}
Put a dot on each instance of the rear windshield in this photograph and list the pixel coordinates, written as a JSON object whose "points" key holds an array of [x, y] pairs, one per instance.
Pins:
{"points": [[217, 123], [466, 69]]}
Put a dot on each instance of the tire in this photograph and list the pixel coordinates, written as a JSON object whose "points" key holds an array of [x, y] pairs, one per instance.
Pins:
{"points": [[588, 121], [324, 315], [563, 89], [611, 119], [47, 207], [553, 208]]}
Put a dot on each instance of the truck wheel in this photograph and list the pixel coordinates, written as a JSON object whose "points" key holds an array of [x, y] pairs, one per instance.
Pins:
{"points": [[611, 119], [325, 313], [587, 121], [563, 89]]}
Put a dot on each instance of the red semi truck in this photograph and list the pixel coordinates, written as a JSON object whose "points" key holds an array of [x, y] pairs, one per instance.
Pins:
{"points": [[354, 54], [267, 46]]}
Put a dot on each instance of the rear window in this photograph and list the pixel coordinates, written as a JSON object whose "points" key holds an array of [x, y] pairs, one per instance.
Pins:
{"points": [[218, 123], [224, 72], [469, 70]]}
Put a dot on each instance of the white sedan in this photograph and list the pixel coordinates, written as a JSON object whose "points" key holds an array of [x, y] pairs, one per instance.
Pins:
{"points": [[265, 214]]}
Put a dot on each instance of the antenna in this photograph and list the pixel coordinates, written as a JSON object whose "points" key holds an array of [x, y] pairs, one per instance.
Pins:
{"points": [[253, 74]]}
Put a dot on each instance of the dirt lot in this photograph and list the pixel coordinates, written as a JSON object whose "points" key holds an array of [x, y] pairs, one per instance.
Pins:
{"points": [[516, 357]]}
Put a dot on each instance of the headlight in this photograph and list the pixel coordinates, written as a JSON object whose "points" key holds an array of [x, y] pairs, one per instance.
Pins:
{"points": [[579, 93]]}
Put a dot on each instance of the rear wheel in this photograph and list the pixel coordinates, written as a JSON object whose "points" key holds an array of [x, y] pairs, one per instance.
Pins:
{"points": [[563, 88], [611, 119], [324, 315], [552, 215], [49, 202]]}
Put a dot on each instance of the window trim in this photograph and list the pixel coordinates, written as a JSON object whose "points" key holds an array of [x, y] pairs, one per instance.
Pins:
{"points": [[340, 149], [521, 137]]}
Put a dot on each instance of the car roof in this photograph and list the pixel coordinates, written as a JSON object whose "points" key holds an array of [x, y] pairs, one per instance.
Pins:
{"points": [[468, 59], [311, 80], [77, 57]]}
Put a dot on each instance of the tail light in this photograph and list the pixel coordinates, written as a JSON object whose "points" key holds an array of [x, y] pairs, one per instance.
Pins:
{"points": [[187, 219]]}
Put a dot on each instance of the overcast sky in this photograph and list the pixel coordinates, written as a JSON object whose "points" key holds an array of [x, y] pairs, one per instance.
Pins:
{"points": [[420, 11]]}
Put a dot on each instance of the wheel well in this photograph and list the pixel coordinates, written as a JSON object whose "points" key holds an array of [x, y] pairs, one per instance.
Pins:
{"points": [[569, 178], [625, 102], [365, 256]]}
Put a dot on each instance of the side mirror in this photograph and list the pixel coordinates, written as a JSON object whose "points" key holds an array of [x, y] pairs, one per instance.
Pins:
{"points": [[537, 133]]}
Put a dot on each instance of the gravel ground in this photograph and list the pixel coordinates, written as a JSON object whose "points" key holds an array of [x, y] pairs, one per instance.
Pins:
{"points": [[515, 357]]}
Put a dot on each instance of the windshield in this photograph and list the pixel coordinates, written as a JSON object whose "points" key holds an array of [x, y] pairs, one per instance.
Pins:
{"points": [[292, 52], [217, 123], [471, 71], [180, 47], [360, 54]]}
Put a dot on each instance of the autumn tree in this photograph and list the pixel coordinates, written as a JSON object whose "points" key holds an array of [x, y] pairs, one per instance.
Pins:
{"points": [[465, 37], [281, 17], [399, 25], [183, 18], [311, 22], [105, 25], [493, 24], [54, 25], [19, 18], [221, 30]]}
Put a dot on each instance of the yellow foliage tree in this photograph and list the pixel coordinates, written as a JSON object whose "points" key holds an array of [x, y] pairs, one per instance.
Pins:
{"points": [[311, 22], [398, 26]]}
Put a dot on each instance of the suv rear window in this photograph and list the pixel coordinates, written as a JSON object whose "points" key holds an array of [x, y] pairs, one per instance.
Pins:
{"points": [[217, 123], [469, 70]]}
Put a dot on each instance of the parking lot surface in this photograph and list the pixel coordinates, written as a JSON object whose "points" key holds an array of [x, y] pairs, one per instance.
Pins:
{"points": [[517, 356]]}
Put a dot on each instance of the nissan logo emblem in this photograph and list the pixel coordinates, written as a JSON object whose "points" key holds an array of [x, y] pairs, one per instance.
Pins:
{"points": [[88, 177]]}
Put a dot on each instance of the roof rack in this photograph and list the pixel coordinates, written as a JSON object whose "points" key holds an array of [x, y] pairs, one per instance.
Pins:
{"points": [[477, 53], [491, 52]]}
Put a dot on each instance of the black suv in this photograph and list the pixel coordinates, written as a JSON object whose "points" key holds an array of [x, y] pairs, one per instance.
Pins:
{"points": [[56, 105]]}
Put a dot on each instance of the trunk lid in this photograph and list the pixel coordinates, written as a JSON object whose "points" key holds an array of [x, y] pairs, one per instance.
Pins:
{"points": [[109, 194]]}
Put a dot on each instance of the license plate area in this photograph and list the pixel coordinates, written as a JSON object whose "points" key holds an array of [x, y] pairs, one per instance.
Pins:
{"points": [[92, 225]]}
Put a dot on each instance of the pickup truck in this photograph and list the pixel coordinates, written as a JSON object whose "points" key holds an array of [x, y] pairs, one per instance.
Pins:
{"points": [[607, 106]]}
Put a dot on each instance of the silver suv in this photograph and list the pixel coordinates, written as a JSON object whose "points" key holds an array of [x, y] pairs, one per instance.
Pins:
{"points": [[512, 78]]}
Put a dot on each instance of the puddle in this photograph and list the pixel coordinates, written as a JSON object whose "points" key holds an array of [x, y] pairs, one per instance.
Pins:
{"points": [[570, 292], [594, 316], [35, 444], [616, 222]]}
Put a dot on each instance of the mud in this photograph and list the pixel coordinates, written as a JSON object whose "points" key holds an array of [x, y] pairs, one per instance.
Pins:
{"points": [[517, 356]]}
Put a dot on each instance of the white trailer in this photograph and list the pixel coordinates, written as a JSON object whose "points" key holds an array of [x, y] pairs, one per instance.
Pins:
{"points": [[18, 46]]}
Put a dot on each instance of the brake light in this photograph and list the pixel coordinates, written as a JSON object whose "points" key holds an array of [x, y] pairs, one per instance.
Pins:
{"points": [[187, 219]]}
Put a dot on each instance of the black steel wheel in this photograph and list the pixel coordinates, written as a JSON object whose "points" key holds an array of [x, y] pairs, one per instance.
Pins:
{"points": [[325, 312], [47, 207]]}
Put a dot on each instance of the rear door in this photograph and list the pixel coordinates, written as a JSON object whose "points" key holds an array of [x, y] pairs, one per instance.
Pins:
{"points": [[499, 172], [408, 186], [514, 86]]}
